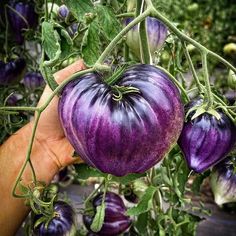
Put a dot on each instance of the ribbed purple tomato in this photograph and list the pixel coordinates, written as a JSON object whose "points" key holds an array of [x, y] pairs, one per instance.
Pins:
{"points": [[156, 33], [12, 71], [206, 140], [63, 12], [33, 80], [21, 16], [126, 136], [62, 224], [116, 221], [13, 99], [73, 29], [223, 181]]}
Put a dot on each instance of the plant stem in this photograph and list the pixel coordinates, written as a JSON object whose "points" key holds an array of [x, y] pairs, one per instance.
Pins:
{"points": [[143, 40], [127, 14], [46, 9], [209, 97], [126, 52], [138, 9], [120, 35], [27, 158], [20, 108], [192, 67]]}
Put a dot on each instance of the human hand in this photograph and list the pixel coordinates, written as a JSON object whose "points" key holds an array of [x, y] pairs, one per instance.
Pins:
{"points": [[49, 132]]}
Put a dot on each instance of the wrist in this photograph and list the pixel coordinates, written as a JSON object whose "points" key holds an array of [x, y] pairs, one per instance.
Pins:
{"points": [[44, 161]]}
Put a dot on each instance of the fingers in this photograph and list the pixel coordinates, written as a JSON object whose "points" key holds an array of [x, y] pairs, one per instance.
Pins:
{"points": [[69, 70]]}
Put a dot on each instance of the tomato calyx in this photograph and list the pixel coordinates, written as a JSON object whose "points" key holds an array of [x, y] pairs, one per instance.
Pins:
{"points": [[119, 91], [201, 108], [41, 199]]}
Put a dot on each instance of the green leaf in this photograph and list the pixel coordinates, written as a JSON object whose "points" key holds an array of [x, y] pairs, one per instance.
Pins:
{"points": [[50, 39], [141, 223], [128, 178], [98, 219], [79, 8], [181, 175], [145, 203], [91, 45], [108, 21], [66, 49], [85, 171]]}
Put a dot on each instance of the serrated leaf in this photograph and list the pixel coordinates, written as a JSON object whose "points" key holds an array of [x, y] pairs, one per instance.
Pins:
{"points": [[182, 175], [108, 21], [91, 46], [99, 218], [145, 203], [50, 40], [128, 178], [79, 8], [85, 171], [66, 49]]}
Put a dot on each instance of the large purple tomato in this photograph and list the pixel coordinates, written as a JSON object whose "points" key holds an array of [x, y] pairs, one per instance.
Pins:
{"points": [[126, 136]]}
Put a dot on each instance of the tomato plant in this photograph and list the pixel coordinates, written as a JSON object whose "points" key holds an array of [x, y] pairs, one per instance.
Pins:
{"points": [[124, 114]]}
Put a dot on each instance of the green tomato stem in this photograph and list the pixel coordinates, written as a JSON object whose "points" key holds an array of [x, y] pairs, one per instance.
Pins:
{"points": [[18, 179], [209, 96], [127, 14], [138, 9], [143, 41], [199, 86], [20, 108]]}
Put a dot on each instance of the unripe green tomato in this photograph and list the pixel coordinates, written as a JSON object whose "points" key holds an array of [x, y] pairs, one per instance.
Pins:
{"points": [[193, 7], [36, 193], [230, 48], [190, 47], [232, 79], [165, 57]]}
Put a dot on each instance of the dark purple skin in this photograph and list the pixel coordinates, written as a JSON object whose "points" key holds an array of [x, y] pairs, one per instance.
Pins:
{"points": [[16, 21], [61, 225], [126, 136], [72, 29], [13, 99], [63, 12], [223, 181], [156, 32], [115, 221], [11, 72], [33, 80], [205, 141], [226, 168]]}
